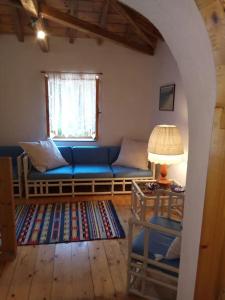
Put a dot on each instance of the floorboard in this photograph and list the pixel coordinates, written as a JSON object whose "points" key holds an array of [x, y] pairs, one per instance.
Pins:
{"points": [[117, 266], [7, 272], [82, 277], [62, 276], [43, 273], [22, 277], [102, 280]]}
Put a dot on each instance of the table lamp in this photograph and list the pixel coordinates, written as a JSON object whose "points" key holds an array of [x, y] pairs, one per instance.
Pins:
{"points": [[165, 147]]}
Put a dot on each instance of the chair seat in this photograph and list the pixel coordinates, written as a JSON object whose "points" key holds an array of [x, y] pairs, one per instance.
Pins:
{"points": [[121, 171], [65, 172], [92, 171], [159, 243]]}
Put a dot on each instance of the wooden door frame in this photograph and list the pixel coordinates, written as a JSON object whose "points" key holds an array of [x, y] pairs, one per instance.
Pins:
{"points": [[210, 280]]}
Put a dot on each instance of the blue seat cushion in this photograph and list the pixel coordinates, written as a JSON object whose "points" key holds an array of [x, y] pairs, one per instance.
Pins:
{"points": [[114, 152], [159, 242], [92, 171], [66, 153], [165, 222], [65, 172], [90, 155], [11, 151], [120, 171]]}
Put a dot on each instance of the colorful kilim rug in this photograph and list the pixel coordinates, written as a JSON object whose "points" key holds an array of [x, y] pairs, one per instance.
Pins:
{"points": [[67, 222]]}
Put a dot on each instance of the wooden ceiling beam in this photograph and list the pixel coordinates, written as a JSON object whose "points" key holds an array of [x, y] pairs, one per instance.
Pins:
{"points": [[31, 7], [142, 22], [124, 13], [103, 17], [67, 20], [73, 12], [18, 24], [11, 3]]}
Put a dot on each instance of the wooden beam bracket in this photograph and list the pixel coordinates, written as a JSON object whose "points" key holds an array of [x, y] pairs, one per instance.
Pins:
{"points": [[32, 9], [103, 17]]}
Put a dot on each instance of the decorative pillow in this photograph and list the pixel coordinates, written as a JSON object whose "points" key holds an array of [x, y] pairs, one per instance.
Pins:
{"points": [[133, 154], [44, 155], [174, 250]]}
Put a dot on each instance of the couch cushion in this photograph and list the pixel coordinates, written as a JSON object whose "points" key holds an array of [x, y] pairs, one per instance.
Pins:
{"points": [[65, 172], [44, 155], [15, 173], [92, 171], [12, 151], [159, 242], [66, 153], [90, 155], [114, 152], [133, 154], [120, 171]]}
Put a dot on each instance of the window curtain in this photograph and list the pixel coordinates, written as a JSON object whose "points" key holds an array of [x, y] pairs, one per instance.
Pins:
{"points": [[72, 105]]}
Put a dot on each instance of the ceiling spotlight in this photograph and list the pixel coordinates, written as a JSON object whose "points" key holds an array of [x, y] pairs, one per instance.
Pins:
{"points": [[41, 34]]}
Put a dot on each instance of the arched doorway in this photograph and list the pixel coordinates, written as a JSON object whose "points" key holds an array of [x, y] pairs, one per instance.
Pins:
{"points": [[183, 29]]}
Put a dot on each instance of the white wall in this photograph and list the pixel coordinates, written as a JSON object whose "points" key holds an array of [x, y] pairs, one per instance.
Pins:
{"points": [[184, 31], [166, 72], [126, 87], [129, 89]]}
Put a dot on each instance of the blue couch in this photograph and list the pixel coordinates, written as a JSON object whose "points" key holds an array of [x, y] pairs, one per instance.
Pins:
{"points": [[90, 170], [14, 152]]}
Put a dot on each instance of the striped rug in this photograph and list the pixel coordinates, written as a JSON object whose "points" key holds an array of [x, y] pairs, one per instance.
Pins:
{"points": [[67, 222]]}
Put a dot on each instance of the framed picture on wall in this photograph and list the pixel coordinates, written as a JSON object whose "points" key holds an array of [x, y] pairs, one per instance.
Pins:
{"points": [[166, 97]]}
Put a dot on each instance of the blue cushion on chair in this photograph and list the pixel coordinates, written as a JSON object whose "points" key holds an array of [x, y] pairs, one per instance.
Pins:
{"points": [[65, 172], [159, 242], [90, 155], [92, 171], [120, 171], [165, 222]]}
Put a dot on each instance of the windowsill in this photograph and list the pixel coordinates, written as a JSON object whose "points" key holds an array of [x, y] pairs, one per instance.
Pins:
{"points": [[73, 140]]}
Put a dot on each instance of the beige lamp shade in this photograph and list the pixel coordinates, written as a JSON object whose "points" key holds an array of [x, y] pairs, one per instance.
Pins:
{"points": [[165, 145]]}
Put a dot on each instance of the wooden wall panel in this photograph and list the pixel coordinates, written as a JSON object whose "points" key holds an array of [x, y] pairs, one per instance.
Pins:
{"points": [[7, 211]]}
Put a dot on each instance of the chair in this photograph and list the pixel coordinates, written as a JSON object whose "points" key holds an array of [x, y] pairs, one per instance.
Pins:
{"points": [[148, 243]]}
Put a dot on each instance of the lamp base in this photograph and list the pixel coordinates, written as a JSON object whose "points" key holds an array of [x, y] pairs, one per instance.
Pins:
{"points": [[162, 180]]}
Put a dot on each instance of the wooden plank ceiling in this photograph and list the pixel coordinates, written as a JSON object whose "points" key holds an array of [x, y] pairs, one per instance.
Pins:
{"points": [[72, 19]]}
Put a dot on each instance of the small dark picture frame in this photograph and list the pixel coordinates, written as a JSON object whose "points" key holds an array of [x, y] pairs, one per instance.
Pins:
{"points": [[166, 97]]}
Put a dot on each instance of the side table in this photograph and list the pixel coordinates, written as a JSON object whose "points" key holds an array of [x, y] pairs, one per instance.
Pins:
{"points": [[143, 198]]}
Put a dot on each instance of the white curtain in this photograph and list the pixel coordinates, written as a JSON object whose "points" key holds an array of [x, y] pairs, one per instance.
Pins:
{"points": [[72, 105]]}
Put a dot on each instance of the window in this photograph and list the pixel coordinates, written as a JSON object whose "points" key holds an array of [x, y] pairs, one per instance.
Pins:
{"points": [[72, 105]]}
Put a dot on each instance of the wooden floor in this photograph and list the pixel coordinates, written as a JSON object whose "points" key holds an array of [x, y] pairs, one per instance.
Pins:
{"points": [[85, 270]]}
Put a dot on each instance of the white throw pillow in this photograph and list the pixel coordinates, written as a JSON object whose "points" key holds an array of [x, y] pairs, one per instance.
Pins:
{"points": [[133, 154], [44, 155], [174, 250]]}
